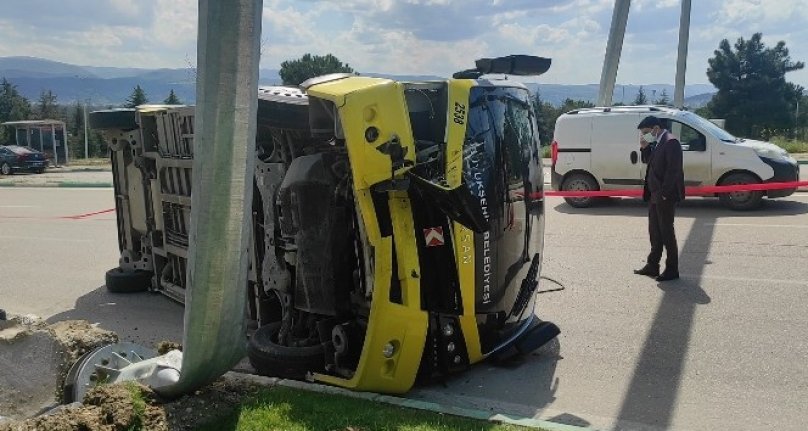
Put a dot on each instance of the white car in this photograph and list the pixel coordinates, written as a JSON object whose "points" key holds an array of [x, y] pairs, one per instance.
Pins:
{"points": [[598, 149]]}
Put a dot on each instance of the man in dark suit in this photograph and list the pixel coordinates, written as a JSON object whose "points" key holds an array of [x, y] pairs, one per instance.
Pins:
{"points": [[664, 187]]}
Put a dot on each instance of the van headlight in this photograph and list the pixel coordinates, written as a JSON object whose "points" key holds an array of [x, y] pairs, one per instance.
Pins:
{"points": [[774, 154]]}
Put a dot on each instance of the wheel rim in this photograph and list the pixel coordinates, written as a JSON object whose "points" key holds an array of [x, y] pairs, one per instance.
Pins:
{"points": [[103, 365], [739, 197], [5, 169], [578, 186]]}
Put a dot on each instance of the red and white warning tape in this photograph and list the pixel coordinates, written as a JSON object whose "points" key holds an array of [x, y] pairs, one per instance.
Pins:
{"points": [[689, 191]]}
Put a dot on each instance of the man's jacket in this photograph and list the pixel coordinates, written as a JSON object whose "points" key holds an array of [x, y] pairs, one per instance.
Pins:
{"points": [[664, 177]]}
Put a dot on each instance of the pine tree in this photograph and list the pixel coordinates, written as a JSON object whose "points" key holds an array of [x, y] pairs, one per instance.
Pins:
{"points": [[663, 98], [172, 99], [46, 106], [13, 106], [641, 98], [137, 98]]}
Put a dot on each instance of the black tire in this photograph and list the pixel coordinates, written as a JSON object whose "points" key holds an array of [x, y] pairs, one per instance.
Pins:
{"points": [[741, 201], [271, 359], [283, 108], [120, 281], [5, 169], [40, 170], [580, 182], [113, 119]]}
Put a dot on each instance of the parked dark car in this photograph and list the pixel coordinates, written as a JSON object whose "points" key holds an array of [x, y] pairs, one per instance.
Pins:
{"points": [[14, 158]]}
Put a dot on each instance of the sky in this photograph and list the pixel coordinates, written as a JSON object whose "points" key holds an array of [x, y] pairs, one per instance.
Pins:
{"points": [[424, 37]]}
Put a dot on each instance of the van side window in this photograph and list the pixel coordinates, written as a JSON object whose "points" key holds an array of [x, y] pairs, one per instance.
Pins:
{"points": [[690, 138]]}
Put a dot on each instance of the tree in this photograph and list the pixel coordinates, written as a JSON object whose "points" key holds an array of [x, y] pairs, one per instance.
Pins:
{"points": [[548, 114], [172, 99], [46, 107], [294, 72], [137, 98], [13, 107], [641, 98], [753, 94], [664, 99]]}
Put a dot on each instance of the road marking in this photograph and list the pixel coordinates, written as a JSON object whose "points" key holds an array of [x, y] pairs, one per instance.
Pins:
{"points": [[34, 238], [759, 280], [759, 225]]}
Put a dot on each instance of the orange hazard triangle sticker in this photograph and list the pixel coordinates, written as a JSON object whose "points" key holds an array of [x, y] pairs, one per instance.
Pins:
{"points": [[433, 236]]}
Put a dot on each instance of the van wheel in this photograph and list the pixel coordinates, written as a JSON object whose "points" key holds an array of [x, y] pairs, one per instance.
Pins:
{"points": [[741, 201], [580, 183]]}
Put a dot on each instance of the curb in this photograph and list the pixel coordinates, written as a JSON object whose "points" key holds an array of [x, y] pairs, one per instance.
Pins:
{"points": [[502, 418], [68, 170], [62, 184]]}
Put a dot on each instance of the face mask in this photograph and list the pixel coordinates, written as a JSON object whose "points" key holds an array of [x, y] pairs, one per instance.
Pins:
{"points": [[649, 137]]}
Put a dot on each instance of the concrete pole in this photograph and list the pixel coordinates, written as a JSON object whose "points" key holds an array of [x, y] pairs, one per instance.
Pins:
{"points": [[86, 146], [681, 61], [221, 203], [53, 144], [64, 142], [613, 49]]}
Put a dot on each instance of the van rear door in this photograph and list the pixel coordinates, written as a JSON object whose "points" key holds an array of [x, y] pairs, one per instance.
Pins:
{"points": [[616, 160]]}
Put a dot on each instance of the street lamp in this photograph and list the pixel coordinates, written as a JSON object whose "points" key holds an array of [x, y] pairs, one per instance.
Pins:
{"points": [[86, 146]]}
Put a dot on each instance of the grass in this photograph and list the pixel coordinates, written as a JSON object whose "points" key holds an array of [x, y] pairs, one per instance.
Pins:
{"points": [[91, 162], [288, 409], [138, 405], [790, 145]]}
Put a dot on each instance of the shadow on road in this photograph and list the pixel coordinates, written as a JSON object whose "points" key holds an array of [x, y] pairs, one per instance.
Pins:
{"points": [[654, 388], [690, 208], [144, 318]]}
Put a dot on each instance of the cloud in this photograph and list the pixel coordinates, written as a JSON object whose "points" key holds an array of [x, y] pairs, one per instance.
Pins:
{"points": [[434, 37]]}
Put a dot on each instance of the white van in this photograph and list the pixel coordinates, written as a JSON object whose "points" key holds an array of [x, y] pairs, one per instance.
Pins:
{"points": [[598, 149]]}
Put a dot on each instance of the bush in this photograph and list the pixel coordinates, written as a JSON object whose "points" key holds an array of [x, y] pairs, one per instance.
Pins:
{"points": [[790, 145]]}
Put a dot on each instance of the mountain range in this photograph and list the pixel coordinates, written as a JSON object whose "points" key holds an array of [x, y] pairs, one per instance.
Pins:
{"points": [[110, 86]]}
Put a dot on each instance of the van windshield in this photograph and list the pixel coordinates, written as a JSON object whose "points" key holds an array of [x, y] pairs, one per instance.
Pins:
{"points": [[708, 127]]}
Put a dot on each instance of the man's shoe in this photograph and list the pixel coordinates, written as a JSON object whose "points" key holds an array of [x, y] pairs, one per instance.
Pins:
{"points": [[648, 270], [667, 276]]}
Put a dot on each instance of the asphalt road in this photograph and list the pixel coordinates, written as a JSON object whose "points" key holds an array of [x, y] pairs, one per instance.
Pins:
{"points": [[54, 267], [723, 348]]}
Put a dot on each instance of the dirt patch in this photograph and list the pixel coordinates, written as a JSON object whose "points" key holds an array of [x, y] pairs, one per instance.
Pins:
{"points": [[35, 358], [213, 401], [164, 347], [79, 337], [106, 408], [31, 362], [132, 406]]}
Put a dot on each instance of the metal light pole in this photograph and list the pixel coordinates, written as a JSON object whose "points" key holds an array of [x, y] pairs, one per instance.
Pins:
{"points": [[681, 61], [53, 144], [613, 49], [227, 86], [86, 146]]}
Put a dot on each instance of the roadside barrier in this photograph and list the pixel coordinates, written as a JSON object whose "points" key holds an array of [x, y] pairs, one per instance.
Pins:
{"points": [[689, 191]]}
